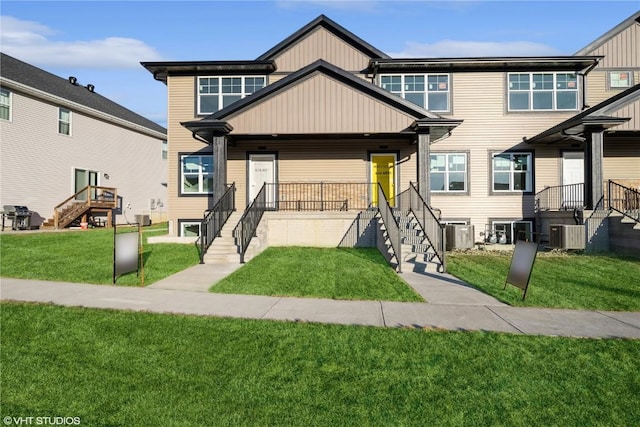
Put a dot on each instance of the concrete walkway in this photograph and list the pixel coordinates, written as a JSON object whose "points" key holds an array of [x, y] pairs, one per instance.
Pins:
{"points": [[452, 305]]}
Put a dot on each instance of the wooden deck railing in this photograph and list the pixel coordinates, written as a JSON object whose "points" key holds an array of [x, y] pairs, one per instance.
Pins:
{"points": [[89, 197]]}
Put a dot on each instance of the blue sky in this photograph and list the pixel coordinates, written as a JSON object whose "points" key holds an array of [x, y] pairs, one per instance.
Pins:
{"points": [[103, 42]]}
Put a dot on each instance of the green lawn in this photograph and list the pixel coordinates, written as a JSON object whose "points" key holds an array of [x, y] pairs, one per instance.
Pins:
{"points": [[113, 368], [594, 282], [87, 256], [337, 273]]}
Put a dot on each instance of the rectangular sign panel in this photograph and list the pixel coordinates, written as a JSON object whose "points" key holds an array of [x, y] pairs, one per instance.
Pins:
{"points": [[521, 265], [126, 253]]}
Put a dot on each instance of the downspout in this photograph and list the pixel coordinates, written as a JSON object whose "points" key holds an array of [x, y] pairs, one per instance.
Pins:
{"points": [[583, 75]]}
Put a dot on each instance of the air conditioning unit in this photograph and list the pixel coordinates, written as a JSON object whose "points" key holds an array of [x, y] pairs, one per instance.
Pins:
{"points": [[143, 220], [460, 236], [563, 236]]}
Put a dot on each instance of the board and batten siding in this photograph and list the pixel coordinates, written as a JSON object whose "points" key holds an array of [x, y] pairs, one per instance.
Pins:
{"points": [[321, 44], [621, 51], [340, 161], [38, 163], [319, 104]]}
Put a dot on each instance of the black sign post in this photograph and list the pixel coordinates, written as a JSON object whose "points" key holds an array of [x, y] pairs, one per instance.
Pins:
{"points": [[521, 266], [127, 250]]}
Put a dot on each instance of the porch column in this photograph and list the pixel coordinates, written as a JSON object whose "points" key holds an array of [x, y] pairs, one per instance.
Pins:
{"points": [[593, 169], [219, 148], [424, 150]]}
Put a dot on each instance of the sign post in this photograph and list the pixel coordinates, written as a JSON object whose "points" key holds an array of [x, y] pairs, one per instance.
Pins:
{"points": [[521, 266]]}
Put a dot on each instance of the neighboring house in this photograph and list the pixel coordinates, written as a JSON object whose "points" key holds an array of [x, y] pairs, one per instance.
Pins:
{"points": [[323, 113], [70, 155]]}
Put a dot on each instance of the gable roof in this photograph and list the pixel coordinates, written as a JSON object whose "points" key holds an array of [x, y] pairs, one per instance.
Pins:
{"points": [[633, 19], [596, 115], [333, 27], [14, 70]]}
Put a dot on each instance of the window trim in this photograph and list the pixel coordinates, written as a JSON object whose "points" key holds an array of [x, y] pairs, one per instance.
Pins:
{"points": [[60, 121], [445, 192], [243, 93], [426, 91], [511, 191], [181, 192], [554, 90], [513, 221], [9, 105], [629, 73]]}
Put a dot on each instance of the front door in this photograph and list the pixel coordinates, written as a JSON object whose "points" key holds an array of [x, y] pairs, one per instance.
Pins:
{"points": [[572, 173], [262, 169], [383, 172]]}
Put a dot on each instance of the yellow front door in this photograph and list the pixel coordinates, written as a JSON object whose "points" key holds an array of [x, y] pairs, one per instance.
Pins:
{"points": [[383, 167]]}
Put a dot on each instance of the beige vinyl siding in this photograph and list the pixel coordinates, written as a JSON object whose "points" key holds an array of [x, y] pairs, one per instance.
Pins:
{"points": [[319, 104], [621, 51], [597, 90], [320, 161], [632, 111], [182, 100], [622, 160], [321, 44]]}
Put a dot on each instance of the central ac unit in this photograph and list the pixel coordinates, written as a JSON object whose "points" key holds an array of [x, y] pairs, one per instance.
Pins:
{"points": [[563, 236], [459, 236]]}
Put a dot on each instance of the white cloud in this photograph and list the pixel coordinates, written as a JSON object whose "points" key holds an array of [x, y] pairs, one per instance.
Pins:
{"points": [[30, 42], [462, 48]]}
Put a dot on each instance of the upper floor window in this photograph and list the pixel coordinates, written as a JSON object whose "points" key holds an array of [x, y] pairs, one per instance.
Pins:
{"points": [[5, 104], [215, 93], [64, 121], [512, 172], [448, 172], [620, 79], [429, 91], [165, 149], [197, 174], [542, 91]]}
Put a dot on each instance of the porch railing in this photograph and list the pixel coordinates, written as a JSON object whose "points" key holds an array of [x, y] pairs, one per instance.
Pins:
{"points": [[560, 197], [434, 230], [91, 196], [215, 218], [624, 200], [248, 224], [319, 196], [391, 225]]}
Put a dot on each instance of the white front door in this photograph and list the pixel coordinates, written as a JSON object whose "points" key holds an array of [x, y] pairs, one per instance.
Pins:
{"points": [[262, 169], [572, 173]]}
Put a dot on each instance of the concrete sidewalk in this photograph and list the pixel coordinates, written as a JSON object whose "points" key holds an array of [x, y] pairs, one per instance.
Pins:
{"points": [[453, 305]]}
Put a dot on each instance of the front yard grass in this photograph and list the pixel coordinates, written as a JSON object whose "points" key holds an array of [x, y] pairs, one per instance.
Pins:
{"points": [[337, 273], [593, 282], [114, 368], [87, 256]]}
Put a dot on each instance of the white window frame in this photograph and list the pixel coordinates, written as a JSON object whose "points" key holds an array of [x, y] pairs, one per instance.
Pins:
{"points": [[404, 88], [165, 149], [8, 104], [62, 122], [199, 173], [512, 229], [615, 84], [184, 224], [554, 90], [512, 171], [447, 172], [244, 92]]}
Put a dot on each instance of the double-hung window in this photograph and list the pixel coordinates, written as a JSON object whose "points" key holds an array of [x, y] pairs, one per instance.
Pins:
{"points": [[64, 121], [165, 149], [5, 104], [512, 172], [448, 172], [197, 174], [216, 93], [429, 91], [542, 91]]}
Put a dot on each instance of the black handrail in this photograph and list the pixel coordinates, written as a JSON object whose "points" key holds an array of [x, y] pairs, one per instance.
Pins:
{"points": [[560, 197], [248, 224], [434, 230], [215, 218], [319, 196], [624, 200], [391, 225]]}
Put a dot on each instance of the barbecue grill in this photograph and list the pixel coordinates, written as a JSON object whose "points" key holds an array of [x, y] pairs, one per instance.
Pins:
{"points": [[20, 217]]}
